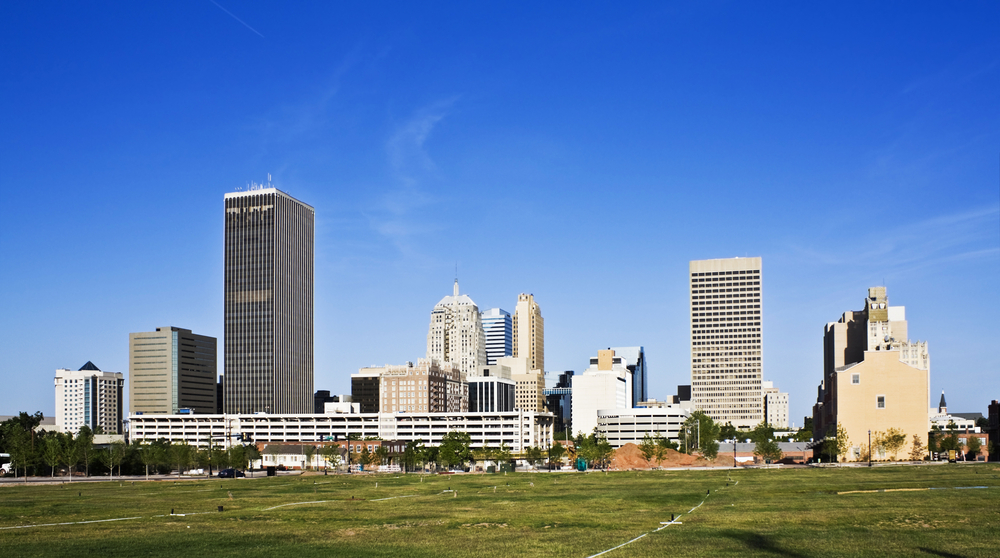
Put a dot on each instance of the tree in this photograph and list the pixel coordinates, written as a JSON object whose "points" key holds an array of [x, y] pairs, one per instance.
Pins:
{"points": [[841, 442], [727, 432], [309, 451], [250, 454], [180, 455], [112, 456], [765, 446], [662, 445], [85, 441], [71, 453], [891, 440], [647, 447], [382, 455], [556, 453], [533, 455], [974, 445], [502, 454], [949, 443], [604, 451], [454, 448], [147, 454], [917, 450], [366, 457], [414, 455], [701, 433], [52, 451], [331, 455]]}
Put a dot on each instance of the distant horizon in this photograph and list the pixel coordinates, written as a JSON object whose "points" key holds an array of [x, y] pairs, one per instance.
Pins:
{"points": [[581, 153]]}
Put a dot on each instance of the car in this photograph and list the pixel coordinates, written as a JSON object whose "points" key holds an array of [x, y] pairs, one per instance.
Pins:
{"points": [[282, 468], [231, 474]]}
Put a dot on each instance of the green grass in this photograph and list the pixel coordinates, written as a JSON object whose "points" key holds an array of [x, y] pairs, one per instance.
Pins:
{"points": [[760, 513]]}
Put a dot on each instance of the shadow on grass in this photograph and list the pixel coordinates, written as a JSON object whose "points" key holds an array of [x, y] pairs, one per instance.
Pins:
{"points": [[939, 553], [756, 541]]}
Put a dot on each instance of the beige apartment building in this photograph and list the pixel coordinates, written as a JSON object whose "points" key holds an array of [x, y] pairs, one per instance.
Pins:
{"points": [[726, 342], [529, 384], [874, 378], [172, 369], [529, 332], [425, 387]]}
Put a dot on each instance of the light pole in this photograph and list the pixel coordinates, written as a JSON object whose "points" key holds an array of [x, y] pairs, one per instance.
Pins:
{"points": [[869, 448]]}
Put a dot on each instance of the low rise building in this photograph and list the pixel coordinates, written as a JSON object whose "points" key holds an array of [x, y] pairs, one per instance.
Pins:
{"points": [[623, 426], [518, 429], [604, 386]]}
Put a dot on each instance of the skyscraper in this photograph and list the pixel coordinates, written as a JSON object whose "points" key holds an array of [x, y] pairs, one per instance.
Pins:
{"points": [[268, 303], [499, 334], [726, 354], [529, 332], [456, 333], [171, 369]]}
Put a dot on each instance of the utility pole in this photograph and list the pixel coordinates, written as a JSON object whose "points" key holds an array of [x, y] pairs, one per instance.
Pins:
{"points": [[869, 448]]}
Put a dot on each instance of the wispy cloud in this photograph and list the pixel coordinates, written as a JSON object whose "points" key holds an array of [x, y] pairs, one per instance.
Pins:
{"points": [[236, 18], [413, 169], [961, 236]]}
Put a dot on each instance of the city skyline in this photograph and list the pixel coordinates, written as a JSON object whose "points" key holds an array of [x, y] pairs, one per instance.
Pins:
{"points": [[586, 162]]}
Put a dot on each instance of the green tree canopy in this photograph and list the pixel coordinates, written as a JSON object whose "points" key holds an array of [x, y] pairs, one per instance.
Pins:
{"points": [[454, 448]]}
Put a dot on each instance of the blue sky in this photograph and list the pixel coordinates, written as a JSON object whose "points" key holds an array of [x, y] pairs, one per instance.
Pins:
{"points": [[580, 152]]}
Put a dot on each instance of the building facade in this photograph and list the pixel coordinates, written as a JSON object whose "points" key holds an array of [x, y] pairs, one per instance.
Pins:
{"points": [[529, 385], [498, 328], [428, 386], [529, 332], [456, 333], [268, 303], [492, 390], [604, 386], [172, 369], [624, 426], [634, 359], [873, 377], [726, 342], [775, 405], [518, 429], [559, 401], [89, 397]]}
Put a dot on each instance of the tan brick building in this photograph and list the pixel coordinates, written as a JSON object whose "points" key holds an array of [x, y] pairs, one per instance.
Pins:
{"points": [[874, 378]]}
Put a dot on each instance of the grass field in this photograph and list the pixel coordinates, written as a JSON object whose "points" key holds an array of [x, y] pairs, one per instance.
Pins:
{"points": [[742, 513]]}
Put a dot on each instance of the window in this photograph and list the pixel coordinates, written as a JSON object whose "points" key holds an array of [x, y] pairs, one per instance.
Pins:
{"points": [[855, 379], [880, 402]]}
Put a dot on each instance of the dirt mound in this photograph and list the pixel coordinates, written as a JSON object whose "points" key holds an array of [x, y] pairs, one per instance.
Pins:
{"points": [[630, 457]]}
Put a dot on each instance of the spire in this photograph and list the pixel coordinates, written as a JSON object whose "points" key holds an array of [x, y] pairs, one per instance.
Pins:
{"points": [[455, 291], [942, 406]]}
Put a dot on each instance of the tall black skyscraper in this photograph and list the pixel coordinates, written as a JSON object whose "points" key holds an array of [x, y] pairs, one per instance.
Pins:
{"points": [[269, 303]]}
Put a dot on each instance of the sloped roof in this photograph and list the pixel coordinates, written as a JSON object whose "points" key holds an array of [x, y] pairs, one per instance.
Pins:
{"points": [[90, 366], [461, 300]]}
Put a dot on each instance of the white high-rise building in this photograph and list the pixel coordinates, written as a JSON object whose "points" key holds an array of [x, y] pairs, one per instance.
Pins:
{"points": [[456, 333], [726, 353], [605, 386], [89, 397], [498, 328]]}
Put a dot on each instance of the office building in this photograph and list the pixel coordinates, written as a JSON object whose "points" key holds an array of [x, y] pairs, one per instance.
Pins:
{"points": [[497, 326], [171, 369], [321, 398], [456, 333], [775, 405], [726, 343], [529, 332], [604, 386], [89, 397], [559, 401], [428, 386], [874, 378], [492, 390], [529, 384], [634, 359], [268, 303]]}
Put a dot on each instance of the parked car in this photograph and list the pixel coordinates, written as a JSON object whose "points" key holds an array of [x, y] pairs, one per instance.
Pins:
{"points": [[231, 474], [282, 468]]}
